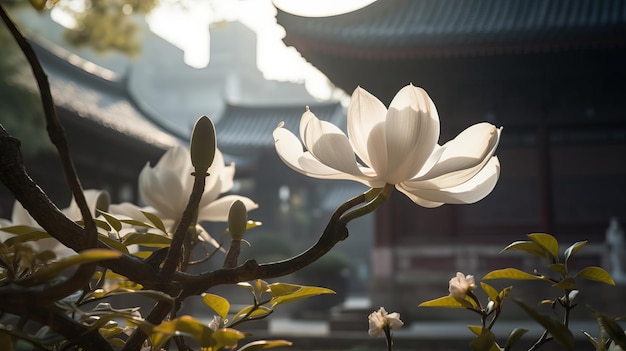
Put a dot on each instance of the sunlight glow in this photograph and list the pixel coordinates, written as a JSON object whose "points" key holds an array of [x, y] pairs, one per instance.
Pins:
{"points": [[320, 8]]}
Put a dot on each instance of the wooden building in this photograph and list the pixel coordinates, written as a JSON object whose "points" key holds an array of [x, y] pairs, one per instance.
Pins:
{"points": [[551, 72]]}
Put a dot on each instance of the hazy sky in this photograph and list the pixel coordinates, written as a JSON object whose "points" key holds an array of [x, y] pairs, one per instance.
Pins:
{"points": [[188, 29]]}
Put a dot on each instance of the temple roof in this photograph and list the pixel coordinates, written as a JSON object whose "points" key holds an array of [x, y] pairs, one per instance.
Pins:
{"points": [[435, 28], [97, 94]]}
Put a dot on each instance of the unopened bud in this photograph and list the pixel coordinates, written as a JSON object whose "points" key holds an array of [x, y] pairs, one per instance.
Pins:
{"points": [[203, 144], [237, 219]]}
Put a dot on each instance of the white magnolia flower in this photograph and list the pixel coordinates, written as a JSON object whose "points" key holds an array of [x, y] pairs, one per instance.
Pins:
{"points": [[96, 199], [461, 285], [379, 320], [166, 187], [396, 146]]}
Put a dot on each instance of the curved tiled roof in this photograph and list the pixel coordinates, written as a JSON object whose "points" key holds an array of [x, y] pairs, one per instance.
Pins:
{"points": [[98, 95], [408, 28], [247, 128]]}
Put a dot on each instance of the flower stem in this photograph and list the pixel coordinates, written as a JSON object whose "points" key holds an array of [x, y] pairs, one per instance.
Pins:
{"points": [[382, 194]]}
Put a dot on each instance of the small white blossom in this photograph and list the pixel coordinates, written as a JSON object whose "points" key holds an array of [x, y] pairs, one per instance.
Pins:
{"points": [[379, 320], [461, 285]]}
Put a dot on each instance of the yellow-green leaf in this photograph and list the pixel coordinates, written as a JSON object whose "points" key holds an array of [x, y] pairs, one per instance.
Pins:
{"points": [[514, 337], [114, 244], [155, 220], [527, 246], [226, 337], [574, 249], [559, 268], [447, 302], [503, 294], [147, 239], [490, 291], [565, 284], [302, 293], [20, 229], [596, 274], [613, 329], [53, 269], [26, 237], [247, 312], [510, 273], [264, 345], [114, 222], [548, 242], [220, 305], [558, 330], [484, 341], [279, 289]]}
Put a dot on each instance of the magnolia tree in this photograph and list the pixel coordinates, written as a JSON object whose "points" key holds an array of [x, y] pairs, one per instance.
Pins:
{"points": [[60, 269]]}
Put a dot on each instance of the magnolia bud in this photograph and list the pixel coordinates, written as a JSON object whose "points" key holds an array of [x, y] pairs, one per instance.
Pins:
{"points": [[203, 144], [237, 219]]}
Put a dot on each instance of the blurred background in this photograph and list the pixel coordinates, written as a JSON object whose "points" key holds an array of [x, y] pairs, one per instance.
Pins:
{"points": [[130, 78]]}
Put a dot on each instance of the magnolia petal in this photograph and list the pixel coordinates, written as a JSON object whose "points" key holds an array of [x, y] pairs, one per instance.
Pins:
{"points": [[129, 210], [366, 130], [163, 191], [96, 200], [217, 211], [464, 155], [412, 131], [226, 176], [326, 142], [416, 199], [471, 191], [289, 150], [20, 216]]}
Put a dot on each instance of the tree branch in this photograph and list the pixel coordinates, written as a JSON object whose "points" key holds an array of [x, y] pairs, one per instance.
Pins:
{"points": [[55, 130]]}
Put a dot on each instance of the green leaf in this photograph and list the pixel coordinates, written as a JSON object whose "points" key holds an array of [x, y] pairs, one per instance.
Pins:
{"points": [[147, 239], [114, 244], [153, 294], [592, 340], [220, 305], [503, 294], [559, 268], [114, 222], [155, 220], [279, 289], [137, 223], [548, 242], [226, 338], [574, 249], [257, 313], [264, 345], [596, 274], [490, 291], [514, 337], [21, 229], [52, 270], [99, 223], [302, 293], [565, 284], [559, 331], [189, 326], [26, 237], [613, 329], [510, 273], [484, 341], [528, 246], [447, 302]]}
